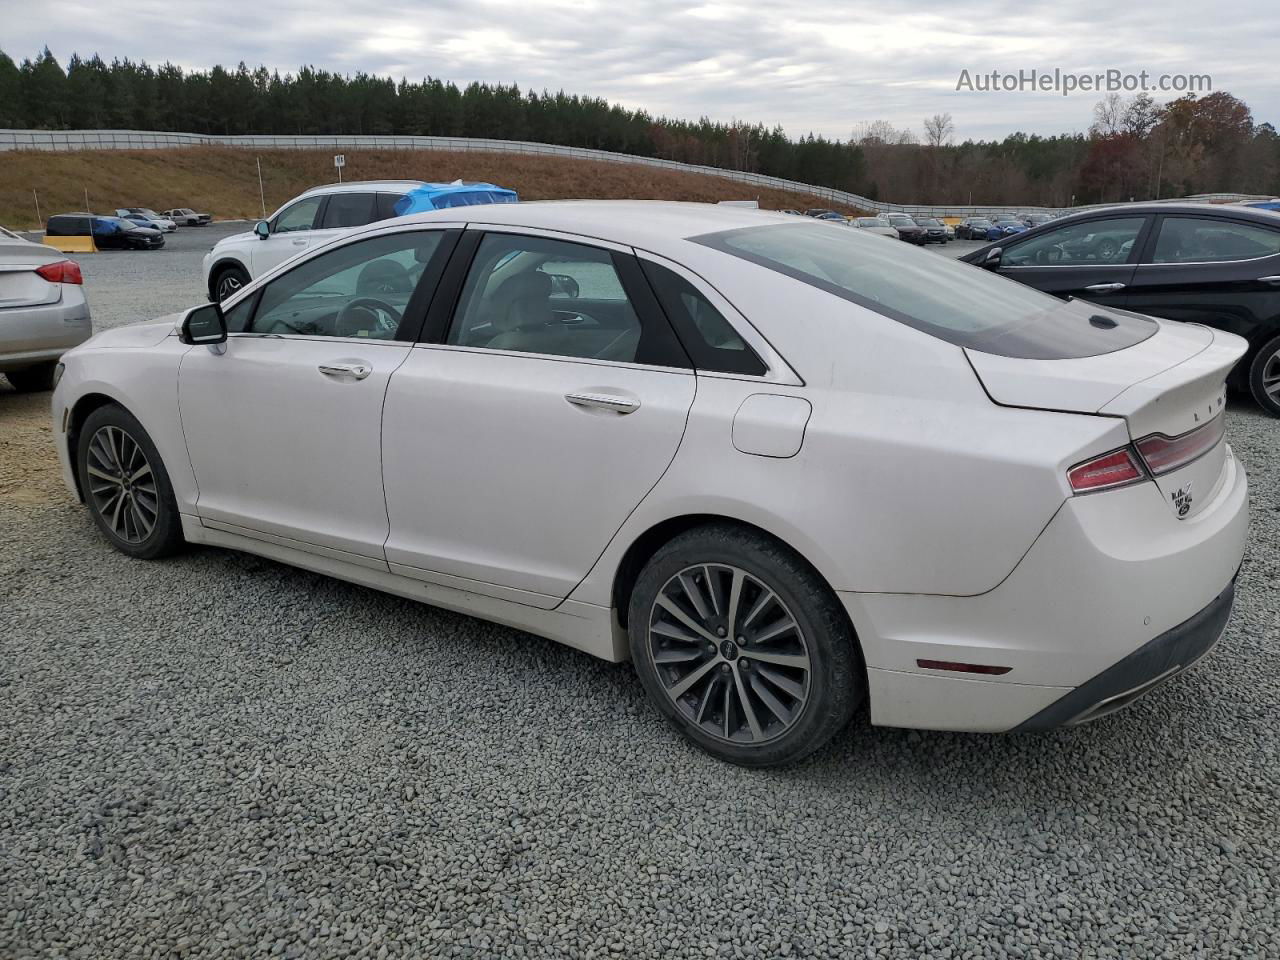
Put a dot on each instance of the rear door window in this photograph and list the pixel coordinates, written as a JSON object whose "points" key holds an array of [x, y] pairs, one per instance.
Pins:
{"points": [[711, 341], [1205, 240], [348, 210], [385, 205], [953, 301]]}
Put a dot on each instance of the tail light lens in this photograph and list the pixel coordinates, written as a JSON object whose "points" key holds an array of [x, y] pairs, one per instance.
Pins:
{"points": [[1164, 454], [1115, 469], [64, 271]]}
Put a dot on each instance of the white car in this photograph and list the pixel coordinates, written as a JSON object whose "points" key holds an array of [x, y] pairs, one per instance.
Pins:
{"points": [[876, 227], [308, 220], [782, 468], [145, 216]]}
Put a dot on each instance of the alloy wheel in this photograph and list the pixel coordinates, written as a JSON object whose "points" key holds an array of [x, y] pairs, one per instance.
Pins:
{"points": [[1271, 376], [729, 653], [122, 484], [228, 285]]}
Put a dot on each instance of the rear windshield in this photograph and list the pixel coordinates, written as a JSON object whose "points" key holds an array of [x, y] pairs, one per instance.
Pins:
{"points": [[956, 302]]}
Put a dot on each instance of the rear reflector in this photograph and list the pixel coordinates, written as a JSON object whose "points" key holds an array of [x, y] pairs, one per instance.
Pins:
{"points": [[1114, 469], [64, 271], [963, 667], [1163, 454]]}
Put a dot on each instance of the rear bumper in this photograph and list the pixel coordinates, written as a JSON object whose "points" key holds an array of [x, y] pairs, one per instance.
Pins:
{"points": [[32, 335], [1108, 574], [1145, 669]]}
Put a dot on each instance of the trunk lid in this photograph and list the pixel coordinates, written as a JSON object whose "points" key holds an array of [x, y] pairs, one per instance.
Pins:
{"points": [[20, 285], [1170, 384]]}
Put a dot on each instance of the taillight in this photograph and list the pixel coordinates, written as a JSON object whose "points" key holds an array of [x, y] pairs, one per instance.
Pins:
{"points": [[1164, 454], [1115, 469], [64, 271]]}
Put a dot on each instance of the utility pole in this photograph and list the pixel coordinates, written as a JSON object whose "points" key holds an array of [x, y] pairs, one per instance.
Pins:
{"points": [[262, 195]]}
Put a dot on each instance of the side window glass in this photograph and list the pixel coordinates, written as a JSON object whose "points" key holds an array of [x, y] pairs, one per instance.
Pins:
{"points": [[709, 338], [535, 295], [1078, 244], [385, 205], [348, 210], [1200, 240], [300, 216], [358, 290]]}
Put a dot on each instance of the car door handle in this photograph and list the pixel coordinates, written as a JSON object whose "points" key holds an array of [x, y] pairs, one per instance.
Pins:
{"points": [[1274, 281], [356, 371], [1104, 287], [603, 401]]}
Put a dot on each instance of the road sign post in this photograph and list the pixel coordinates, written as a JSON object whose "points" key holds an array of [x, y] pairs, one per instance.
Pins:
{"points": [[340, 161]]}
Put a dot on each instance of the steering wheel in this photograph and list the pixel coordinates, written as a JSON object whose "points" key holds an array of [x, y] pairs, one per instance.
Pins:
{"points": [[379, 309]]}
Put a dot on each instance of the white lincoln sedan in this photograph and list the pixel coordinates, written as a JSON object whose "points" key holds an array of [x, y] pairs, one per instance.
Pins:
{"points": [[784, 469]]}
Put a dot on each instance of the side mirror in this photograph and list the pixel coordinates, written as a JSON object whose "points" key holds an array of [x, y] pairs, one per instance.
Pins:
{"points": [[262, 229], [204, 325], [564, 285], [992, 260]]}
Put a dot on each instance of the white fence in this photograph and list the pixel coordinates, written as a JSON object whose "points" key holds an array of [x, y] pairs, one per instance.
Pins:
{"points": [[57, 140]]}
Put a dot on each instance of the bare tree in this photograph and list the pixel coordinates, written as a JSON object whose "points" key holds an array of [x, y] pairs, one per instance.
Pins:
{"points": [[938, 129], [1108, 115]]}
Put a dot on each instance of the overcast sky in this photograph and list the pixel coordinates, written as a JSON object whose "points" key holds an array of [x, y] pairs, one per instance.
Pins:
{"points": [[821, 65]]}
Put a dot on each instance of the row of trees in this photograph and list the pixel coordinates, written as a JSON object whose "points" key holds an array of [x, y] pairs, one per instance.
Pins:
{"points": [[1135, 148]]}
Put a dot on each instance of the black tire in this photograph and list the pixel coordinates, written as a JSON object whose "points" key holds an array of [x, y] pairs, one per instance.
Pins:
{"points": [[1263, 373], [142, 502], [833, 682], [33, 379], [227, 282]]}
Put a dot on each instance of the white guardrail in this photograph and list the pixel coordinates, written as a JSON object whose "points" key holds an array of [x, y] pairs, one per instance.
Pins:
{"points": [[62, 140]]}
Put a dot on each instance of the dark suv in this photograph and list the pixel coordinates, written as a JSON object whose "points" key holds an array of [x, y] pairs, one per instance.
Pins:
{"points": [[109, 233]]}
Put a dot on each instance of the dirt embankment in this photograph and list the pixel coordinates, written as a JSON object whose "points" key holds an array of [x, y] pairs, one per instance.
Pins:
{"points": [[224, 181]]}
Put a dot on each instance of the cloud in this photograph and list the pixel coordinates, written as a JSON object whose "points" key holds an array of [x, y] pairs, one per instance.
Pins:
{"points": [[823, 66]]}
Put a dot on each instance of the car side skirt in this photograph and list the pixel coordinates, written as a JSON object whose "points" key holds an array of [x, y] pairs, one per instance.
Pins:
{"points": [[584, 626]]}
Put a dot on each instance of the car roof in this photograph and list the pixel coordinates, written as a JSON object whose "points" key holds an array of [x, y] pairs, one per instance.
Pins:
{"points": [[1269, 217], [652, 224], [356, 186]]}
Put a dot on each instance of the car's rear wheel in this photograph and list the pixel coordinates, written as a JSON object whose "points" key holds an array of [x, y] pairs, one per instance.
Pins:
{"points": [[126, 486], [229, 282], [1264, 377], [33, 379], [743, 647]]}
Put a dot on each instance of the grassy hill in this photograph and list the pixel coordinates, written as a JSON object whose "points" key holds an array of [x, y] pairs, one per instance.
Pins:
{"points": [[224, 181]]}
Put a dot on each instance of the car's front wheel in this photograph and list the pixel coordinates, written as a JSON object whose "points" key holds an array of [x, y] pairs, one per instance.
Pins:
{"points": [[229, 282], [1264, 377], [742, 646], [126, 486]]}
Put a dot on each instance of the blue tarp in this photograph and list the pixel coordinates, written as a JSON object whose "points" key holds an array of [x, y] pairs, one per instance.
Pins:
{"points": [[438, 196]]}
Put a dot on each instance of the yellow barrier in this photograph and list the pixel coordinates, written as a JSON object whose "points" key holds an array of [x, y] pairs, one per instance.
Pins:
{"points": [[72, 244]]}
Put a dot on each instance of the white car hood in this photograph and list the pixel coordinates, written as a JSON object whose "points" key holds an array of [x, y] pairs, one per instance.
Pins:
{"points": [[147, 334]]}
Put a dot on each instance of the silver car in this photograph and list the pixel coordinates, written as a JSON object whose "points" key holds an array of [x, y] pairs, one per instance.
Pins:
{"points": [[43, 311]]}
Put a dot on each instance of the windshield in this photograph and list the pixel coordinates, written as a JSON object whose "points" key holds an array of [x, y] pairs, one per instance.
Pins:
{"points": [[902, 221], [956, 302]]}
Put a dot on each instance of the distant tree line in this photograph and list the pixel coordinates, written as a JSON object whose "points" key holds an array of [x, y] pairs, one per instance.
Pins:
{"points": [[1135, 148]]}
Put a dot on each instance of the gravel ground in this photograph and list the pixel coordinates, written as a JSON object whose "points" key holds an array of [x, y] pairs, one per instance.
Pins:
{"points": [[219, 756]]}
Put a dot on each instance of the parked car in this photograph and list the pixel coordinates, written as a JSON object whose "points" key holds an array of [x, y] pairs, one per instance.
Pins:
{"points": [[977, 228], [935, 231], [1035, 219], [823, 214], [1009, 226], [964, 543], [1264, 204], [109, 233], [147, 218], [794, 213], [878, 226], [907, 228], [43, 311], [318, 215], [1218, 265], [188, 217]]}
